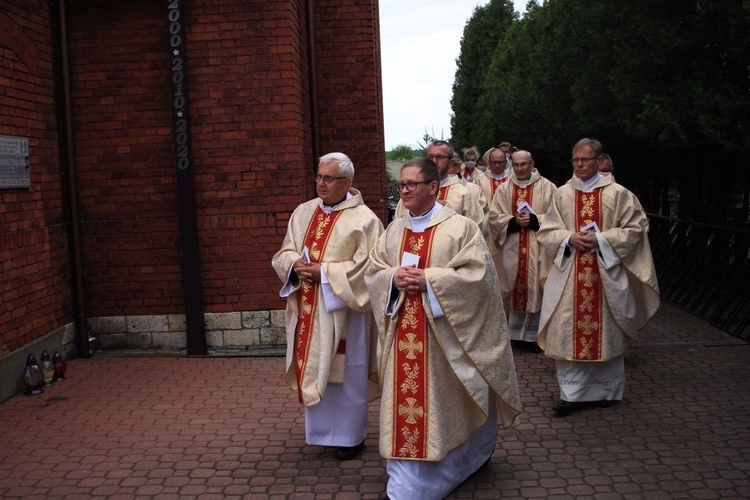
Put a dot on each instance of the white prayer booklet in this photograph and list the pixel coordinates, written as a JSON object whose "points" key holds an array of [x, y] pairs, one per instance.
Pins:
{"points": [[591, 227], [409, 259], [306, 254], [525, 207]]}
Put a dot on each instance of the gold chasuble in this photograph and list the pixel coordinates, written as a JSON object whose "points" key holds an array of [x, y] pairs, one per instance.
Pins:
{"points": [[594, 303], [519, 261], [316, 338], [410, 360], [318, 233], [438, 372], [587, 320]]}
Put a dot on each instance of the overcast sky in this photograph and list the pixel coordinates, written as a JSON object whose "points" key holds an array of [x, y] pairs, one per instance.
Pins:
{"points": [[420, 41]]}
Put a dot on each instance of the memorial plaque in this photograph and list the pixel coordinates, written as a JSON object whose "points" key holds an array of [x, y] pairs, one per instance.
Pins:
{"points": [[14, 162]]}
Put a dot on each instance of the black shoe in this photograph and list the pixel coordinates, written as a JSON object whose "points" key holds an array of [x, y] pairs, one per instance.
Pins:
{"points": [[565, 408], [536, 349], [605, 403], [349, 452]]}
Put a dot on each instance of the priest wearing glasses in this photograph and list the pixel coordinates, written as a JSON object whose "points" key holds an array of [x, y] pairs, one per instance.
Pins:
{"points": [[330, 339]]}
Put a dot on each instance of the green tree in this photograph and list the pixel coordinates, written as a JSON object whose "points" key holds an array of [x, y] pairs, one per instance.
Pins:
{"points": [[482, 32], [402, 152]]}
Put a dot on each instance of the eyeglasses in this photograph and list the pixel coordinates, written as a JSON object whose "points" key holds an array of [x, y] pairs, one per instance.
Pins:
{"points": [[438, 157], [583, 159], [327, 179], [410, 186], [503, 162], [521, 164]]}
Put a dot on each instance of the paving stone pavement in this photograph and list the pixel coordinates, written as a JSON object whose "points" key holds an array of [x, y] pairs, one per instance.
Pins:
{"points": [[228, 427]]}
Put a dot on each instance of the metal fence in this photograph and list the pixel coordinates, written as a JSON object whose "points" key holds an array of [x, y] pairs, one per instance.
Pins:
{"points": [[704, 269]]}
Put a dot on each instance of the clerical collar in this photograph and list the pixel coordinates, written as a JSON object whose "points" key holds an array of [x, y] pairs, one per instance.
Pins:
{"points": [[587, 184], [498, 177], [525, 183], [419, 222], [329, 208]]}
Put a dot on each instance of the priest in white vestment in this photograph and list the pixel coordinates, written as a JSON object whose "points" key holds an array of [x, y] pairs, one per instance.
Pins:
{"points": [[601, 288], [445, 362], [330, 358], [517, 211]]}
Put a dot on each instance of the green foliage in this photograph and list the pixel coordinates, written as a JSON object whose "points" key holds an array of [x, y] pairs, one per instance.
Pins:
{"points": [[402, 152], [482, 33], [664, 85]]}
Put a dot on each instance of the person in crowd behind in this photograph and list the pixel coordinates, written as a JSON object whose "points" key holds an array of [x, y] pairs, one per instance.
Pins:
{"points": [[606, 167], [330, 350], [452, 191], [507, 148], [517, 210], [445, 362], [602, 286], [468, 169]]}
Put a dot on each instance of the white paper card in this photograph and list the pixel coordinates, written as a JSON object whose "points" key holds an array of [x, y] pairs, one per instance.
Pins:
{"points": [[409, 259], [306, 254], [591, 227], [525, 207]]}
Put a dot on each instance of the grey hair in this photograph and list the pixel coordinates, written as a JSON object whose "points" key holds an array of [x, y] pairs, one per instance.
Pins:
{"points": [[346, 167], [592, 143], [474, 150], [609, 159], [441, 142]]}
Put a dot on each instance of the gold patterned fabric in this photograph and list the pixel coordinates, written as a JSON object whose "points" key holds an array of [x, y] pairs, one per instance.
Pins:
{"points": [[343, 259], [538, 194], [467, 350], [629, 289]]}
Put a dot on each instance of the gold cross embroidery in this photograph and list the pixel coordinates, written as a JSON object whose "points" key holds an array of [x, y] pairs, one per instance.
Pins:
{"points": [[588, 325], [411, 410], [588, 277], [410, 346]]}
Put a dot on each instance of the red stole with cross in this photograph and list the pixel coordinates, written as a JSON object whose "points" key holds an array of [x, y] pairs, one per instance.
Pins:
{"points": [[318, 233], [410, 361], [520, 295], [587, 313]]}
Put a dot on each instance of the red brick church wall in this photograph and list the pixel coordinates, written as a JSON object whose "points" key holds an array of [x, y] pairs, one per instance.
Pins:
{"points": [[252, 147], [251, 131], [35, 294]]}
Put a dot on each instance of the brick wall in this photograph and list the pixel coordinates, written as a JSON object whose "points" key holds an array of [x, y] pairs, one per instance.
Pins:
{"points": [[251, 132], [35, 296], [247, 63]]}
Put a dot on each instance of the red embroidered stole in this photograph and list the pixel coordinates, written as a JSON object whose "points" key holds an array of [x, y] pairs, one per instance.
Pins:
{"points": [[587, 313], [467, 174], [316, 239], [496, 184], [520, 295], [443, 193], [410, 361]]}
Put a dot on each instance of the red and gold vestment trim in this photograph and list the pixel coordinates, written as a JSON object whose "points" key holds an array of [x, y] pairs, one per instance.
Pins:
{"points": [[496, 183], [318, 233], [520, 296], [587, 313], [410, 361], [443, 193]]}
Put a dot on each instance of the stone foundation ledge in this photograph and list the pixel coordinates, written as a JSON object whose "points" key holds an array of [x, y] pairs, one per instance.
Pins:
{"points": [[250, 331]]}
